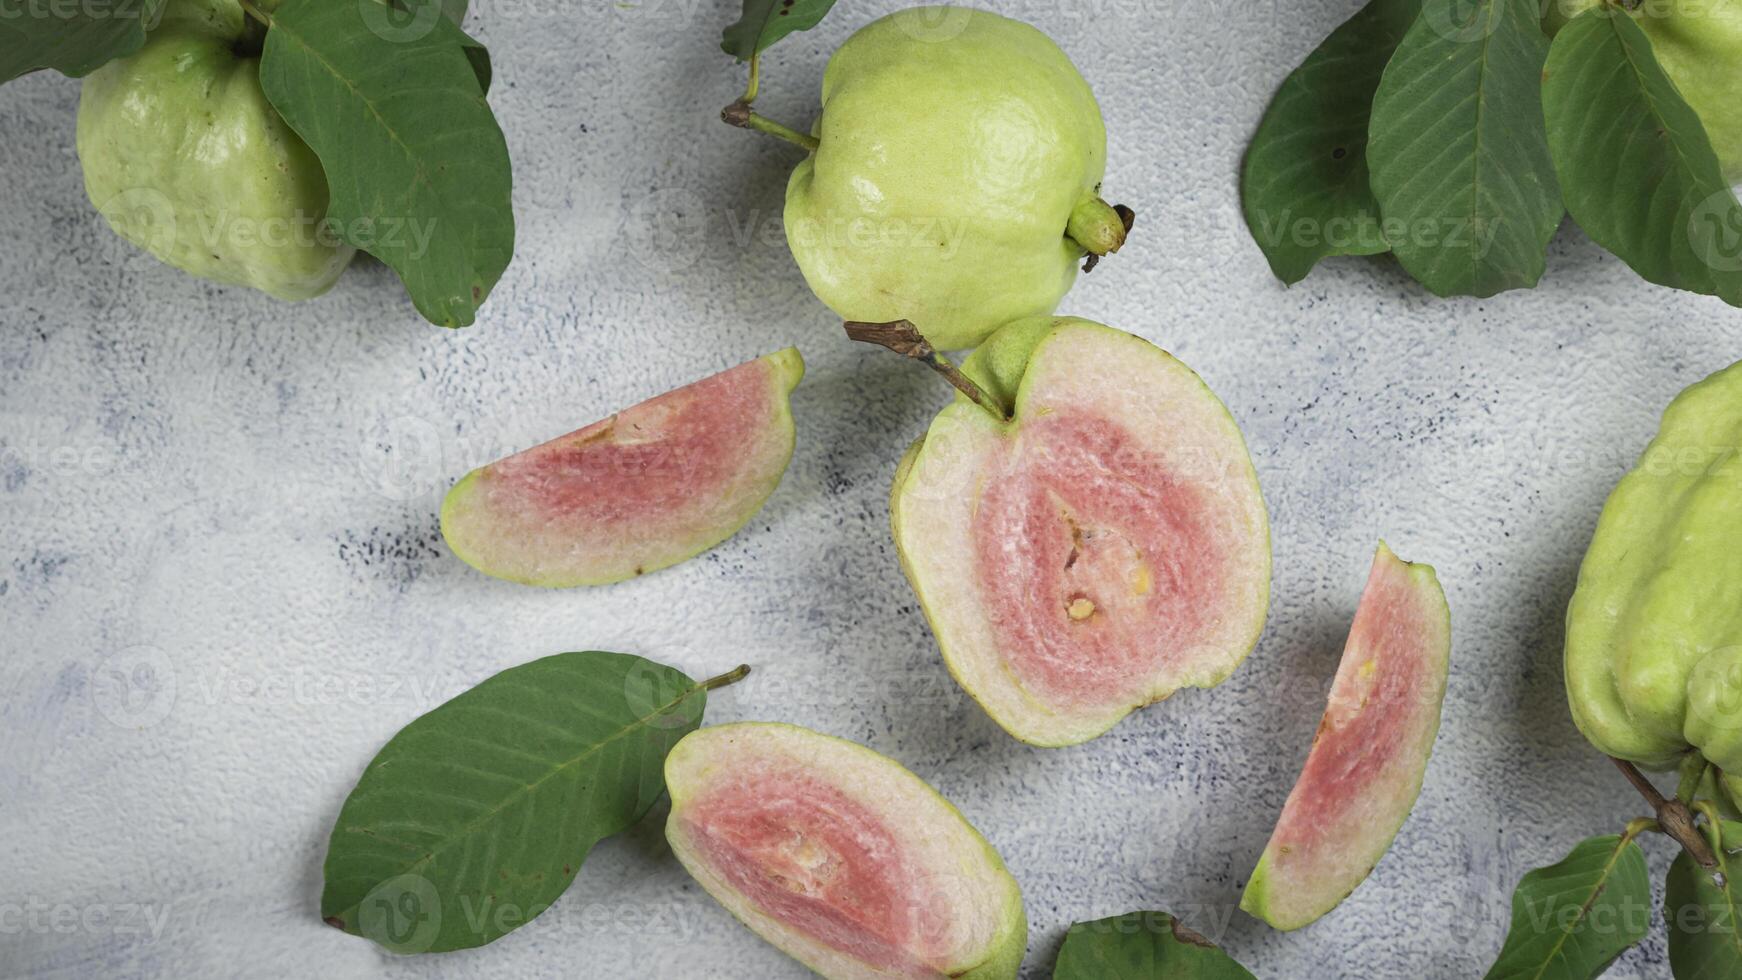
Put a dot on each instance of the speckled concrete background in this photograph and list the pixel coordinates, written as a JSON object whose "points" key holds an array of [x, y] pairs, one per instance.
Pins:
{"points": [[222, 585]]}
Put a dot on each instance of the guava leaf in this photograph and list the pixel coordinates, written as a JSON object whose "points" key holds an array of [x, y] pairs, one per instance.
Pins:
{"points": [[1705, 938], [1636, 167], [1570, 920], [1140, 945], [767, 21], [418, 168], [1459, 150], [1304, 186], [74, 39], [476, 816]]}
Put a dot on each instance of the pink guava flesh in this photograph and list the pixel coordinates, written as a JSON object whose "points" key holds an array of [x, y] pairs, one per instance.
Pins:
{"points": [[803, 852], [1368, 759], [644, 489], [1099, 566]]}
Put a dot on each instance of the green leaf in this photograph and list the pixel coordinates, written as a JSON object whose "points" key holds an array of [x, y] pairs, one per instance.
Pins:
{"points": [[1304, 187], [1459, 150], [1141, 945], [1636, 167], [417, 166], [1704, 941], [1570, 920], [767, 21], [476, 816], [74, 39]]}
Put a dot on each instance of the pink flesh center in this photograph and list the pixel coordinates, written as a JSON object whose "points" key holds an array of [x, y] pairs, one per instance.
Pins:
{"points": [[1372, 723], [644, 464], [809, 856], [1100, 566]]}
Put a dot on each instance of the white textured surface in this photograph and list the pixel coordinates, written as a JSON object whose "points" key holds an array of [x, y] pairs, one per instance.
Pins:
{"points": [[243, 495]]}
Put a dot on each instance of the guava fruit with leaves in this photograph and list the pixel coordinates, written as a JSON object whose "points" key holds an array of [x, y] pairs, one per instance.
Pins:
{"points": [[1093, 544], [840, 857], [957, 179], [1699, 44], [647, 488], [185, 158], [1370, 753], [1654, 644]]}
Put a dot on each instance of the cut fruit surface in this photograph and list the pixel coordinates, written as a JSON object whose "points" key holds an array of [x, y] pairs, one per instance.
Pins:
{"points": [[645, 489], [1370, 755], [1105, 547], [840, 857]]}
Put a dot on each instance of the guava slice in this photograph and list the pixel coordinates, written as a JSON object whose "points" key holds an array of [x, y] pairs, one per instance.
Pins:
{"points": [[647, 488], [1370, 754], [1105, 547], [840, 857]]}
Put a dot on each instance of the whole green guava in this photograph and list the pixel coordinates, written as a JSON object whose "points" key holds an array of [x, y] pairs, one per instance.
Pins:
{"points": [[185, 158], [1654, 644], [1699, 43], [957, 179]]}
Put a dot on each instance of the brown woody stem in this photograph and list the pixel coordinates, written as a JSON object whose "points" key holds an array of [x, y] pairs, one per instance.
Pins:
{"points": [[902, 337], [1674, 817], [740, 114]]}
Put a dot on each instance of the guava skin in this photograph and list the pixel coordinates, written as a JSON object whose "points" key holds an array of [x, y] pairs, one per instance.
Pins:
{"points": [[1699, 44], [790, 829], [1654, 644], [186, 159], [957, 147]]}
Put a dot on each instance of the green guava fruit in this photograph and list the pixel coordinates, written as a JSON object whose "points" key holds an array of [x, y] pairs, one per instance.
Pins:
{"points": [[1654, 645], [187, 160], [645, 489], [1102, 548], [1699, 44], [841, 858], [1370, 755], [958, 177]]}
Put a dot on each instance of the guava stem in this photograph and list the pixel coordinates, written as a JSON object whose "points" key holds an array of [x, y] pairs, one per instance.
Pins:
{"points": [[256, 13], [1100, 228], [1673, 816], [740, 114], [902, 337], [727, 679]]}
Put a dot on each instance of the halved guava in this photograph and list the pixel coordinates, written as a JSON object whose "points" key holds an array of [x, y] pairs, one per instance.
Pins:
{"points": [[1371, 751], [1105, 547], [647, 488], [840, 857]]}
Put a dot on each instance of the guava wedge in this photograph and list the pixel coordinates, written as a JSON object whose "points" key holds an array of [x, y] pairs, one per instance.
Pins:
{"points": [[1100, 548], [840, 857], [645, 489], [1368, 759]]}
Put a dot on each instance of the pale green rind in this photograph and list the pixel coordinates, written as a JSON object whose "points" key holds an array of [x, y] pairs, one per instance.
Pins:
{"points": [[187, 160], [1289, 905], [1002, 365], [955, 146], [1654, 630], [465, 509], [874, 780]]}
